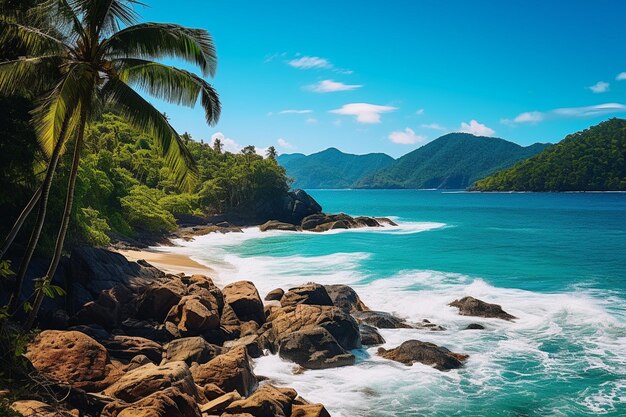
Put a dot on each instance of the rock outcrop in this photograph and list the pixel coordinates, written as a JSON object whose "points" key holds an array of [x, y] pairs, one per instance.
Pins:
{"points": [[311, 293], [230, 371], [267, 401], [430, 354], [243, 298], [470, 306], [314, 348]]}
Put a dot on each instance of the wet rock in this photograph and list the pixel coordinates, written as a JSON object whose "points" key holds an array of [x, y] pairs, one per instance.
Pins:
{"points": [[381, 320], [127, 347], [150, 378], [314, 348], [470, 306], [190, 350], [474, 326], [345, 298], [267, 401], [230, 371], [311, 293], [309, 410], [276, 225], [385, 221], [244, 299], [274, 295], [72, 358], [430, 354], [370, 336], [171, 402]]}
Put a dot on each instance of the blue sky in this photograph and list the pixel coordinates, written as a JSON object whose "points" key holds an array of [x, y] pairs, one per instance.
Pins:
{"points": [[389, 76]]}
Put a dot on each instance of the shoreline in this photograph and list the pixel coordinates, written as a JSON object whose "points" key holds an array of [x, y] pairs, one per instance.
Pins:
{"points": [[167, 261]]}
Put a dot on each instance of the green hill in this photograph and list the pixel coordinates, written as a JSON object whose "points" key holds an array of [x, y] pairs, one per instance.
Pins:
{"points": [[591, 160], [453, 161], [331, 168]]}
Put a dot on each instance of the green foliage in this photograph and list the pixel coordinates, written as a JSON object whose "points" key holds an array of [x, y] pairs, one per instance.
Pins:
{"points": [[93, 227], [142, 209], [453, 161], [591, 160]]}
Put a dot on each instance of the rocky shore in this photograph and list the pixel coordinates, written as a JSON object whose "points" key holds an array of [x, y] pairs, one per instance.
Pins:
{"points": [[146, 343]]}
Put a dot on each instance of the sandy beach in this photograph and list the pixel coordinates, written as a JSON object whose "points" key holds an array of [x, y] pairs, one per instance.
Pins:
{"points": [[173, 263]]}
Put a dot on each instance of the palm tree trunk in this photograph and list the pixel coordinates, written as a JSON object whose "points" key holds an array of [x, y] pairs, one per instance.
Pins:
{"points": [[69, 201], [41, 217], [20, 222]]}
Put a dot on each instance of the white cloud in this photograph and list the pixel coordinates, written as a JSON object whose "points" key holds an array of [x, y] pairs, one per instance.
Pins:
{"points": [[406, 137], [586, 111], [433, 126], [330, 86], [621, 76], [284, 144], [364, 112], [228, 144], [599, 87], [476, 128], [419, 112], [529, 117], [308, 62], [290, 111]]}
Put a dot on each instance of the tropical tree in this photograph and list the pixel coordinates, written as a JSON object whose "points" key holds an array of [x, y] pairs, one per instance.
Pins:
{"points": [[217, 145], [93, 56], [271, 153]]}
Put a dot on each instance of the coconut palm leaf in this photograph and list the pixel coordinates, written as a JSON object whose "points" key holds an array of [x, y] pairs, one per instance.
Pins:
{"points": [[33, 40], [29, 74]]}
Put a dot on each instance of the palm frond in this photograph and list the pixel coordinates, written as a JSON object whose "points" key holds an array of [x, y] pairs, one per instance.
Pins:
{"points": [[143, 116], [32, 39], [65, 18], [170, 84], [159, 40], [104, 16], [29, 74]]}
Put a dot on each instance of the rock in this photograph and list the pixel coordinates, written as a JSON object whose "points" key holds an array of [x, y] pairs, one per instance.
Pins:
{"points": [[470, 306], [314, 220], [340, 325], [294, 207], [230, 371], [267, 401], [229, 322], [33, 408], [150, 329], [219, 404], [367, 221], [244, 299], [190, 350], [276, 225], [381, 320], [150, 378], [474, 326], [94, 331], [384, 221], [72, 358], [170, 402], [248, 328], [127, 347], [159, 298], [314, 348], [345, 298], [137, 361], [311, 293], [370, 336], [274, 295], [194, 315], [413, 351], [105, 311], [251, 343], [212, 391], [309, 410]]}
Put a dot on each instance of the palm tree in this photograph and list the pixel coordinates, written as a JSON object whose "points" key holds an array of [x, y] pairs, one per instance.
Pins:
{"points": [[217, 145], [271, 153], [99, 52]]}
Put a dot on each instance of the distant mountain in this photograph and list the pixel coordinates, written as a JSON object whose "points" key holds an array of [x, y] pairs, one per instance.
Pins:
{"points": [[591, 160], [454, 160], [331, 168]]}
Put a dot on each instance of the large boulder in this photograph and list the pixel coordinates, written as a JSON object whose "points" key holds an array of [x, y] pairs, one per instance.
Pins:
{"points": [[230, 371], [105, 311], [340, 325], [275, 295], [73, 358], [430, 354], [345, 298], [157, 299], [370, 336], [194, 315], [277, 225], [244, 299], [219, 404], [190, 350], [150, 378], [309, 410], [314, 348], [34, 408], [267, 401], [171, 402], [381, 319], [296, 205], [150, 329], [127, 347], [470, 306], [311, 293]]}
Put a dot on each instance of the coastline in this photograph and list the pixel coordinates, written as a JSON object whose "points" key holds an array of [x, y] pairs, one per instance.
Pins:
{"points": [[167, 261]]}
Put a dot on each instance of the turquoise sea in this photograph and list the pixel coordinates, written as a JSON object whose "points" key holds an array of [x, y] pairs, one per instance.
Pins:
{"points": [[556, 261]]}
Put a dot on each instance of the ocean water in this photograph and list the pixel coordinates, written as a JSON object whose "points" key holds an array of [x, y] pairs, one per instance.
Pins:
{"points": [[555, 261]]}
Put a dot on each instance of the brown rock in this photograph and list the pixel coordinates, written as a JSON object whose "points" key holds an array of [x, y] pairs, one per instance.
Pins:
{"points": [[248, 328], [381, 320], [311, 293], [170, 402], [72, 358], [345, 298], [105, 311], [229, 321], [470, 306], [127, 347], [230, 371], [314, 348], [194, 315], [244, 298], [274, 295], [276, 225], [159, 298], [212, 391], [33, 408], [150, 378], [251, 343], [219, 404], [309, 410], [267, 401], [190, 350], [413, 351], [370, 336]]}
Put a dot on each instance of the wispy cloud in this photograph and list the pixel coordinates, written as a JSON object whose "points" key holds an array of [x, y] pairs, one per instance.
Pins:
{"points": [[621, 76], [308, 62], [228, 144], [566, 112], [293, 111], [330, 86], [433, 126], [599, 87], [476, 128], [406, 137], [364, 112], [284, 144], [311, 121], [419, 112]]}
